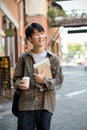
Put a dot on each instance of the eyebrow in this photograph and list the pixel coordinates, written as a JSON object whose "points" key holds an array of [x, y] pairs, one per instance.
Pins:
{"points": [[37, 31]]}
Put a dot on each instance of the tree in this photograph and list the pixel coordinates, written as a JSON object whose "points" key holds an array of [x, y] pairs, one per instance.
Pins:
{"points": [[73, 48]]}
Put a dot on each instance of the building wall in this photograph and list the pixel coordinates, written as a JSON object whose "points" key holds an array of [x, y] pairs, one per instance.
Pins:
{"points": [[21, 26], [36, 11], [13, 11], [37, 18], [0, 19], [36, 7], [12, 6], [11, 18], [8, 21]]}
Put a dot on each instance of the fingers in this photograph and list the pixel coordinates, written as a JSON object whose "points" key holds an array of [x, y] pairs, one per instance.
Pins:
{"points": [[22, 85], [38, 78]]}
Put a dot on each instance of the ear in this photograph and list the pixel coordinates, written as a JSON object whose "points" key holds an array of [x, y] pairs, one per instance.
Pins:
{"points": [[29, 39]]}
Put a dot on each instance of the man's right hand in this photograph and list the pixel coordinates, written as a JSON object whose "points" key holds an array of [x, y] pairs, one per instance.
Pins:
{"points": [[22, 85]]}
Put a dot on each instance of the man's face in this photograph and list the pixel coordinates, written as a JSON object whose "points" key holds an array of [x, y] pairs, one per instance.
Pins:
{"points": [[37, 38]]}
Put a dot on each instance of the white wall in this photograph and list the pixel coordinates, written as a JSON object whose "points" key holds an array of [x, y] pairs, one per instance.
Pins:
{"points": [[36, 7]]}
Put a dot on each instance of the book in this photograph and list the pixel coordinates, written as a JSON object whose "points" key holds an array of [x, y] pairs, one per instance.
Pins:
{"points": [[43, 66]]}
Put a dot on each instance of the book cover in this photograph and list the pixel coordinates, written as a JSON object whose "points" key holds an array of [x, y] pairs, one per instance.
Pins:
{"points": [[43, 66]]}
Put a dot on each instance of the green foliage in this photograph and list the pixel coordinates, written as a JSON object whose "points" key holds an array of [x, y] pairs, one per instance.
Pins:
{"points": [[85, 45], [54, 12], [61, 13], [77, 13], [85, 48], [73, 48]]}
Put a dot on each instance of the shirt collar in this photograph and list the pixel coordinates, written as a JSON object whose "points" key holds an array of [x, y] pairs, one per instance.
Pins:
{"points": [[49, 52]]}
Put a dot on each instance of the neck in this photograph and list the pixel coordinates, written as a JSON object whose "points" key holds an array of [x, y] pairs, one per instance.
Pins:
{"points": [[38, 50]]}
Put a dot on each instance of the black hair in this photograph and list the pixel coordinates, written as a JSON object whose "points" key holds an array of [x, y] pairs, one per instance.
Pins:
{"points": [[30, 29]]}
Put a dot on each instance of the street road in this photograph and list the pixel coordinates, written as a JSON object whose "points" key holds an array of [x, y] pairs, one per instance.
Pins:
{"points": [[71, 105]]}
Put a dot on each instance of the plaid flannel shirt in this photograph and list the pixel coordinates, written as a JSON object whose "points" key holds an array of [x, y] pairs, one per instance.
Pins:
{"points": [[33, 98]]}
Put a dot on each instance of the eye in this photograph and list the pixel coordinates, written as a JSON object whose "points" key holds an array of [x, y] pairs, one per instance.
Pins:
{"points": [[42, 32], [36, 34]]}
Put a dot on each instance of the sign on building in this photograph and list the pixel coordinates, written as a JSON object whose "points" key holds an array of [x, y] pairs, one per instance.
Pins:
{"points": [[5, 85]]}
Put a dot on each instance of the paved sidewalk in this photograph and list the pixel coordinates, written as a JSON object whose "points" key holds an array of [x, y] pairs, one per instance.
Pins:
{"points": [[4, 99], [4, 106]]}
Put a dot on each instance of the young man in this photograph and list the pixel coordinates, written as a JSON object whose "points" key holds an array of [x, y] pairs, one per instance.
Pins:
{"points": [[36, 107]]}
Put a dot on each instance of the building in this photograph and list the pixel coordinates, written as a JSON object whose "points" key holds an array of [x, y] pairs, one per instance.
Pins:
{"points": [[14, 18], [11, 37], [11, 29], [13, 22]]}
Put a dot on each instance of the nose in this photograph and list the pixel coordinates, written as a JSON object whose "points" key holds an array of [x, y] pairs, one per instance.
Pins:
{"points": [[40, 35]]}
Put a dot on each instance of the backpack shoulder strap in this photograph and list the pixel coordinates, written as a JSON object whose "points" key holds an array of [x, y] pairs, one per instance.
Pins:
{"points": [[23, 62]]}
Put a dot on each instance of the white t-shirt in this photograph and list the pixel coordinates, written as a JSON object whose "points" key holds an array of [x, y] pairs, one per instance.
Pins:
{"points": [[40, 56]]}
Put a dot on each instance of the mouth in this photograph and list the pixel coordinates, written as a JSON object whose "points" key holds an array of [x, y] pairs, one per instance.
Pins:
{"points": [[41, 40]]}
